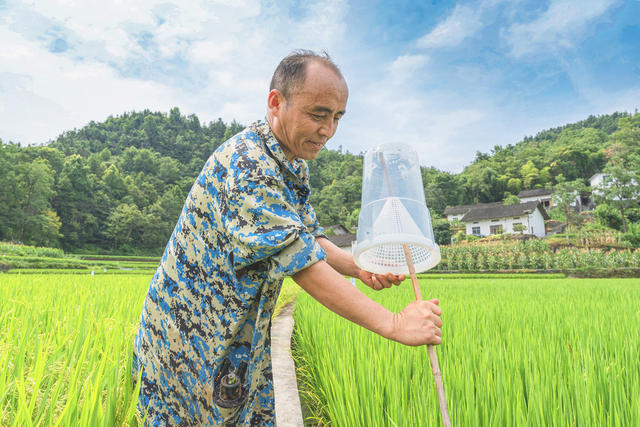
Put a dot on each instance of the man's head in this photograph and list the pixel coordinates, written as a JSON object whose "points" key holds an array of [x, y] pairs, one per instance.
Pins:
{"points": [[307, 98]]}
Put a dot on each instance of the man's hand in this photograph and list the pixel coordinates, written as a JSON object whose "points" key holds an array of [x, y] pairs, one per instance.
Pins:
{"points": [[418, 324], [380, 281]]}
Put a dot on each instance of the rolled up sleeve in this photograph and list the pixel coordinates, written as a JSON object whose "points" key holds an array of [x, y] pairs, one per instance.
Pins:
{"points": [[261, 224]]}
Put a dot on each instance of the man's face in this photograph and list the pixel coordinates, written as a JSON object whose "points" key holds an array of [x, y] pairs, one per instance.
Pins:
{"points": [[305, 121]]}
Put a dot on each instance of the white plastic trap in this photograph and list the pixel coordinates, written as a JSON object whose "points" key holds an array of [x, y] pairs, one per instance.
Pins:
{"points": [[394, 213]]}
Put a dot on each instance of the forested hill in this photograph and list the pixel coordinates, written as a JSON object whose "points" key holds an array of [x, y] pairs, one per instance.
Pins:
{"points": [[119, 185], [575, 151], [184, 139]]}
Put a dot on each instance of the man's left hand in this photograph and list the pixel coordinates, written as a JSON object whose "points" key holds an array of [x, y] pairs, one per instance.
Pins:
{"points": [[380, 281]]}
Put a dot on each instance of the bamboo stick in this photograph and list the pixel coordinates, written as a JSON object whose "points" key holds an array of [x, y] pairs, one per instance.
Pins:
{"points": [[433, 358]]}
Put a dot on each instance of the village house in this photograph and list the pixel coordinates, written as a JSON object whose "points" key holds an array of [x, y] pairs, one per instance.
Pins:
{"points": [[542, 195], [340, 236], [486, 220], [457, 212], [599, 181], [497, 218]]}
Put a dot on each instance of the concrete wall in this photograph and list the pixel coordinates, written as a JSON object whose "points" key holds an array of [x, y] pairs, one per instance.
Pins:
{"points": [[545, 200], [534, 223]]}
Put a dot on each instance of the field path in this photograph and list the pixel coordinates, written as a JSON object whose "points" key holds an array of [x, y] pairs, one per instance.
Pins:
{"points": [[288, 412]]}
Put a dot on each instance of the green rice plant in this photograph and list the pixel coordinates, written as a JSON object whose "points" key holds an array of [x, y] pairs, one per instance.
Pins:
{"points": [[66, 343], [85, 272], [535, 352], [288, 294], [24, 262], [66, 346]]}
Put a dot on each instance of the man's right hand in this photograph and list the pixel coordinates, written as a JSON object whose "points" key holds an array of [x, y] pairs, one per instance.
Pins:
{"points": [[418, 324]]}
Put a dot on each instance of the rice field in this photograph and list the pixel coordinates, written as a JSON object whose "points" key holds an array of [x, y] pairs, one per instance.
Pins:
{"points": [[541, 351], [517, 351], [65, 348]]}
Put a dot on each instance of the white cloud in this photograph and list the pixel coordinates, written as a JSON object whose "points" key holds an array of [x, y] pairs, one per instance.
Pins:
{"points": [[210, 58], [439, 124], [559, 27], [43, 94], [406, 67], [463, 23]]}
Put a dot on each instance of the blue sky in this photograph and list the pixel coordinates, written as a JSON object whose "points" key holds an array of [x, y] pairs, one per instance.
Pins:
{"points": [[449, 78]]}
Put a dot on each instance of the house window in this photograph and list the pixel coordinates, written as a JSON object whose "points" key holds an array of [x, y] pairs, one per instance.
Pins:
{"points": [[495, 229], [546, 203], [475, 231]]}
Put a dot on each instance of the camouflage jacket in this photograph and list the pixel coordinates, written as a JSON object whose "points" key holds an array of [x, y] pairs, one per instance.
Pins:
{"points": [[246, 224]]}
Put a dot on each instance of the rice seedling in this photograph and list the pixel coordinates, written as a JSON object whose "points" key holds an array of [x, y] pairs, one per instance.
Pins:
{"points": [[66, 345], [66, 342], [515, 352]]}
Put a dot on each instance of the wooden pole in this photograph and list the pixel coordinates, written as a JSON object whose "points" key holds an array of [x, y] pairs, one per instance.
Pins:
{"points": [[433, 358]]}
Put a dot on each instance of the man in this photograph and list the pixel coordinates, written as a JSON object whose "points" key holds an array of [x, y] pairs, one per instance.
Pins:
{"points": [[203, 345]]}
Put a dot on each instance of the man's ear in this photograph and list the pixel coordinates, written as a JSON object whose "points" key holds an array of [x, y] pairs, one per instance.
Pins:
{"points": [[275, 101]]}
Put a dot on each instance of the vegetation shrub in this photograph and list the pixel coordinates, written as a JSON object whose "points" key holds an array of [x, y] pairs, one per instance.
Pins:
{"points": [[533, 255], [7, 248], [608, 216], [442, 232], [633, 236], [633, 215]]}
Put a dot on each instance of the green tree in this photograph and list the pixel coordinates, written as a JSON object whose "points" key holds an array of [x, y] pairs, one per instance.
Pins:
{"points": [[442, 232], [9, 198], [621, 186], [35, 189], [125, 225], [114, 183], [510, 199], [609, 216], [519, 228], [565, 194], [76, 205]]}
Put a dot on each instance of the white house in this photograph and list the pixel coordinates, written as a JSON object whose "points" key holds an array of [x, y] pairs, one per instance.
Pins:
{"points": [[541, 195], [601, 180], [497, 219]]}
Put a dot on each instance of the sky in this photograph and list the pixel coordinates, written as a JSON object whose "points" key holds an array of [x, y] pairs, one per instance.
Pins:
{"points": [[449, 78]]}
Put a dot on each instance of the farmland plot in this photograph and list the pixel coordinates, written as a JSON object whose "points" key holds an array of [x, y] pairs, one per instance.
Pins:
{"points": [[515, 352], [65, 347]]}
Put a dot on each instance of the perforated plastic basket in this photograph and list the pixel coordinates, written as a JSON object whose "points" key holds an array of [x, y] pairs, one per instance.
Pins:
{"points": [[393, 213]]}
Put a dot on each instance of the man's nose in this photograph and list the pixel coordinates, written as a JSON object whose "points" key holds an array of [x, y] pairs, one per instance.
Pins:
{"points": [[327, 128]]}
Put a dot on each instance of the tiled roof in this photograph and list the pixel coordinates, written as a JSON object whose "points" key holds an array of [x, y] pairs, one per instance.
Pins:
{"points": [[535, 192], [462, 209], [503, 211], [342, 240]]}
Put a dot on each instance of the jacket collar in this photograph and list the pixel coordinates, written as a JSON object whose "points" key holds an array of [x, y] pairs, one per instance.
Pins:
{"points": [[297, 167]]}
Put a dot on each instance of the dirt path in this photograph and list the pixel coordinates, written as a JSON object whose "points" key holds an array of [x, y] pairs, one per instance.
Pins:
{"points": [[288, 412]]}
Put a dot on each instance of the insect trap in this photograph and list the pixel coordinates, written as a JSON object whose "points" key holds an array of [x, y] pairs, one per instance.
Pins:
{"points": [[395, 234], [394, 215]]}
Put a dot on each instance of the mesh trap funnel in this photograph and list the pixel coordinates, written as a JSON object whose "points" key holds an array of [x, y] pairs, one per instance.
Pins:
{"points": [[394, 213]]}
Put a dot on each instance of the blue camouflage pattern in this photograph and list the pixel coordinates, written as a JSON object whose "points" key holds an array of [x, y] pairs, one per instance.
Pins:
{"points": [[246, 224]]}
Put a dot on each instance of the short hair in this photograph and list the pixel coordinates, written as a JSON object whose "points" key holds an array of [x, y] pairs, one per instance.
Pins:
{"points": [[291, 71]]}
